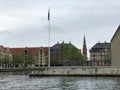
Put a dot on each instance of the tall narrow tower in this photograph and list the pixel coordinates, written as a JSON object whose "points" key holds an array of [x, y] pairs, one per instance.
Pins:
{"points": [[84, 49]]}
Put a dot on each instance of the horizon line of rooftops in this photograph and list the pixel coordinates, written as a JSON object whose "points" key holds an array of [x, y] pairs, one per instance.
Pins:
{"points": [[50, 46]]}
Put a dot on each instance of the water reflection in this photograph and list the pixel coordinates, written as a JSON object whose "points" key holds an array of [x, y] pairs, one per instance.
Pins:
{"points": [[18, 82]]}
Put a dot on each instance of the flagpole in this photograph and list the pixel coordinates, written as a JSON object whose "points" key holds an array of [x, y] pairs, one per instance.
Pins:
{"points": [[49, 38]]}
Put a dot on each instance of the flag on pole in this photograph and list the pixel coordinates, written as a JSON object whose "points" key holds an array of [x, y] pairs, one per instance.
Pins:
{"points": [[48, 14]]}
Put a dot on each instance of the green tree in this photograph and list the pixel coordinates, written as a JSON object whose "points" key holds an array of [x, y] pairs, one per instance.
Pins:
{"points": [[16, 59], [29, 59], [69, 52], [6, 59]]}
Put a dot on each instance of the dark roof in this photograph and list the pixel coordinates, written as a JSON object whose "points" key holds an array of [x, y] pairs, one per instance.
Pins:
{"points": [[57, 46], [99, 46], [115, 33]]}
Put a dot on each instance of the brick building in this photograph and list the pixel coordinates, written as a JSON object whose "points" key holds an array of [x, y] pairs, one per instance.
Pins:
{"points": [[38, 53]]}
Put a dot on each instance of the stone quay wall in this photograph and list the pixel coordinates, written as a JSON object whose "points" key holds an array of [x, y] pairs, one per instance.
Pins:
{"points": [[76, 71], [15, 71]]}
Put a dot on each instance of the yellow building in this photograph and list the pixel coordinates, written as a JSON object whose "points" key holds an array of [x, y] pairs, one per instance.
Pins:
{"points": [[41, 56], [115, 48]]}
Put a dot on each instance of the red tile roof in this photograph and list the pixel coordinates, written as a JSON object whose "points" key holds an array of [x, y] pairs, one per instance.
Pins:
{"points": [[4, 49], [31, 50]]}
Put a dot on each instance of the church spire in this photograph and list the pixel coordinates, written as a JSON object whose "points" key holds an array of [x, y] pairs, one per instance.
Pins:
{"points": [[84, 49]]}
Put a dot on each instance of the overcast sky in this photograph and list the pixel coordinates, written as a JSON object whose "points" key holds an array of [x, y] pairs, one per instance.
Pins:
{"points": [[24, 22]]}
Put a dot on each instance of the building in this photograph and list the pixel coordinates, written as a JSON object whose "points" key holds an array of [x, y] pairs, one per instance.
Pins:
{"points": [[115, 48], [5, 56], [84, 49], [38, 54], [100, 52], [55, 55], [61, 53]]}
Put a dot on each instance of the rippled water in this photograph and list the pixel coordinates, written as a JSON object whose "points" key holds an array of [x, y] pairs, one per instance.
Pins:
{"points": [[24, 82]]}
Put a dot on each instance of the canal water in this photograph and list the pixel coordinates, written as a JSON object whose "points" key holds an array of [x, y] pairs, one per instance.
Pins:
{"points": [[24, 82]]}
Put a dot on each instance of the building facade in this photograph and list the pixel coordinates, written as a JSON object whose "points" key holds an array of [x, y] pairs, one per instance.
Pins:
{"points": [[100, 52], [5, 56], [62, 53], [39, 55], [115, 48]]}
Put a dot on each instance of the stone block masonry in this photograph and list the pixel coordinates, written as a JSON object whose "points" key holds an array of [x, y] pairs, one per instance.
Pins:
{"points": [[76, 71]]}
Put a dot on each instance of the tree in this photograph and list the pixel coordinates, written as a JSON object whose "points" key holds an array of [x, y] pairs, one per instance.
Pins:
{"points": [[16, 60], [6, 60], [69, 52], [29, 59]]}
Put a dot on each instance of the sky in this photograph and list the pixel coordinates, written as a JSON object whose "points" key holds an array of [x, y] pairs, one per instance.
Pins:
{"points": [[24, 23]]}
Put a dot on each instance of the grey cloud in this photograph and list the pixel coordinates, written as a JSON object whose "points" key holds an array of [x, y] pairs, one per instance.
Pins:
{"points": [[55, 29], [21, 4], [69, 20], [5, 34]]}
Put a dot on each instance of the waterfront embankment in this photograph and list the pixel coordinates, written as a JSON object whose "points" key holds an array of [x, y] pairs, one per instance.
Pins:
{"points": [[76, 71], [66, 71], [21, 71]]}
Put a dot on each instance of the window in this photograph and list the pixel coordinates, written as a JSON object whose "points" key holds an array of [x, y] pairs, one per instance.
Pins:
{"points": [[40, 51], [26, 52]]}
